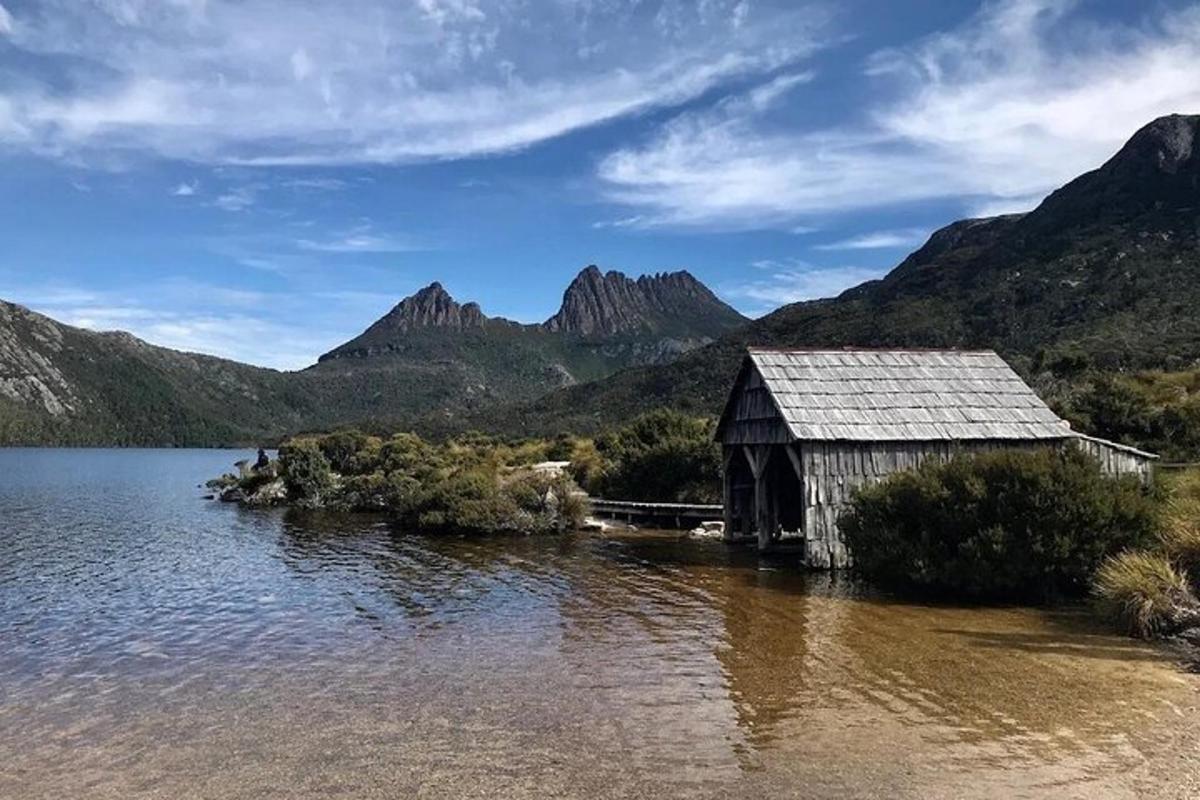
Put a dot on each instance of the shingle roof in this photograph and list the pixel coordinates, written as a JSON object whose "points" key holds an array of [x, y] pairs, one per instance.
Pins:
{"points": [[888, 395]]}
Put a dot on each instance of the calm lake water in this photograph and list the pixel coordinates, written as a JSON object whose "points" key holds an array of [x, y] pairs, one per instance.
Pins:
{"points": [[154, 644]]}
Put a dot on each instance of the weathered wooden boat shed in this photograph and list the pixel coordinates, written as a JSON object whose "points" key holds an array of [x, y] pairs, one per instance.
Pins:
{"points": [[804, 428]]}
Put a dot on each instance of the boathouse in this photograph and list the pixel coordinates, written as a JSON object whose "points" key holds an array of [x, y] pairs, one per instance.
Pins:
{"points": [[802, 429]]}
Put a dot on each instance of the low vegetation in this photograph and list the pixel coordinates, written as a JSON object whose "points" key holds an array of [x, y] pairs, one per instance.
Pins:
{"points": [[1145, 594], [1005, 525], [1152, 591], [472, 485], [1156, 411], [662, 456], [479, 484]]}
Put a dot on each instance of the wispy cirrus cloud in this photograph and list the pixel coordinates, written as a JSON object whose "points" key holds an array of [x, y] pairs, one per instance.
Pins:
{"points": [[793, 280], [995, 113], [316, 184], [237, 198], [363, 237], [372, 81], [879, 240]]}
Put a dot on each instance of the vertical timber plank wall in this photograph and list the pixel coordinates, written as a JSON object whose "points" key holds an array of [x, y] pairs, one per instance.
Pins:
{"points": [[1118, 461]]}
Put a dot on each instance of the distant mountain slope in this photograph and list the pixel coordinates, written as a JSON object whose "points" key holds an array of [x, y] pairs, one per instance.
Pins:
{"points": [[1104, 274], [430, 358], [65, 385]]}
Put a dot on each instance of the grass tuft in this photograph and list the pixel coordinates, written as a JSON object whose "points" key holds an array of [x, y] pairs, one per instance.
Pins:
{"points": [[1145, 593]]}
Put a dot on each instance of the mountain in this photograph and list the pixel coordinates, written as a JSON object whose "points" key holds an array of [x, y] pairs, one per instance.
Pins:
{"points": [[428, 362], [1104, 275], [672, 304], [669, 312], [66, 385]]}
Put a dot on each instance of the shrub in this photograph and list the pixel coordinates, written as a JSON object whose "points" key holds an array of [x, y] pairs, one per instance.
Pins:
{"points": [[588, 466], [661, 456], [1159, 411], [409, 453], [306, 472], [340, 449], [1145, 594], [466, 502], [999, 525], [1181, 533], [553, 500], [1180, 536], [561, 449]]}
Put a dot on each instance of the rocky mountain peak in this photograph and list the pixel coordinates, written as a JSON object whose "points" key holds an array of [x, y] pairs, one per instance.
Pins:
{"points": [[1168, 144], [431, 307], [611, 303], [1153, 182]]}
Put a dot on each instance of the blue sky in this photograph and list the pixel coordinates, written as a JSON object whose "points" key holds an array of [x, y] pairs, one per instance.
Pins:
{"points": [[261, 179]]}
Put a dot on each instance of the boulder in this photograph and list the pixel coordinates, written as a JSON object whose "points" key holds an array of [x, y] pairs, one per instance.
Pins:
{"points": [[269, 494], [233, 494]]}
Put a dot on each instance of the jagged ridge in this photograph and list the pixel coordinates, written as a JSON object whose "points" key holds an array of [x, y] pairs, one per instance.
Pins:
{"points": [[669, 306], [607, 304]]}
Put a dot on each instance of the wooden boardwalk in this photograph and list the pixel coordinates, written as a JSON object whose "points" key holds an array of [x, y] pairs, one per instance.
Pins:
{"points": [[665, 515]]}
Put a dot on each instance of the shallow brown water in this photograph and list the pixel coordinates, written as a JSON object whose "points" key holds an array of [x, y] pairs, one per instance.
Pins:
{"points": [[155, 645]]}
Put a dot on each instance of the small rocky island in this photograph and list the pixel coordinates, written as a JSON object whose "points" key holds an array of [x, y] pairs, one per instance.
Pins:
{"points": [[466, 487]]}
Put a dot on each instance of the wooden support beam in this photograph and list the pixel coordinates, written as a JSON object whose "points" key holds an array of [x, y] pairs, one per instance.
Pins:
{"points": [[727, 491], [752, 458], [762, 497], [794, 457]]}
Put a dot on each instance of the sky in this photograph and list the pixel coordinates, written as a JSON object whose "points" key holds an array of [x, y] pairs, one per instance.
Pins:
{"points": [[262, 179]]}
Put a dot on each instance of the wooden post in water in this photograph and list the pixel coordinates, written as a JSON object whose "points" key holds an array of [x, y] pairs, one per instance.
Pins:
{"points": [[727, 492], [758, 456]]}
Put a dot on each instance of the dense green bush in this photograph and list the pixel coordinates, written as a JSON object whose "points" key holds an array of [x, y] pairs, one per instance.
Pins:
{"points": [[1158, 411], [661, 456], [306, 472], [342, 448], [1000, 525]]}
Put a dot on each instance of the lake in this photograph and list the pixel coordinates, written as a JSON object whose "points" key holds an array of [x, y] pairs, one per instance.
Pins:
{"points": [[155, 644]]}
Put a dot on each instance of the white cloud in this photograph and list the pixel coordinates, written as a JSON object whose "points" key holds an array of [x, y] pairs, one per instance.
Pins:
{"points": [[185, 189], [6, 20], [621, 222], [792, 281], [1005, 205], [238, 198], [362, 239], [1019, 100], [289, 82], [361, 243], [879, 240], [316, 184], [302, 65]]}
